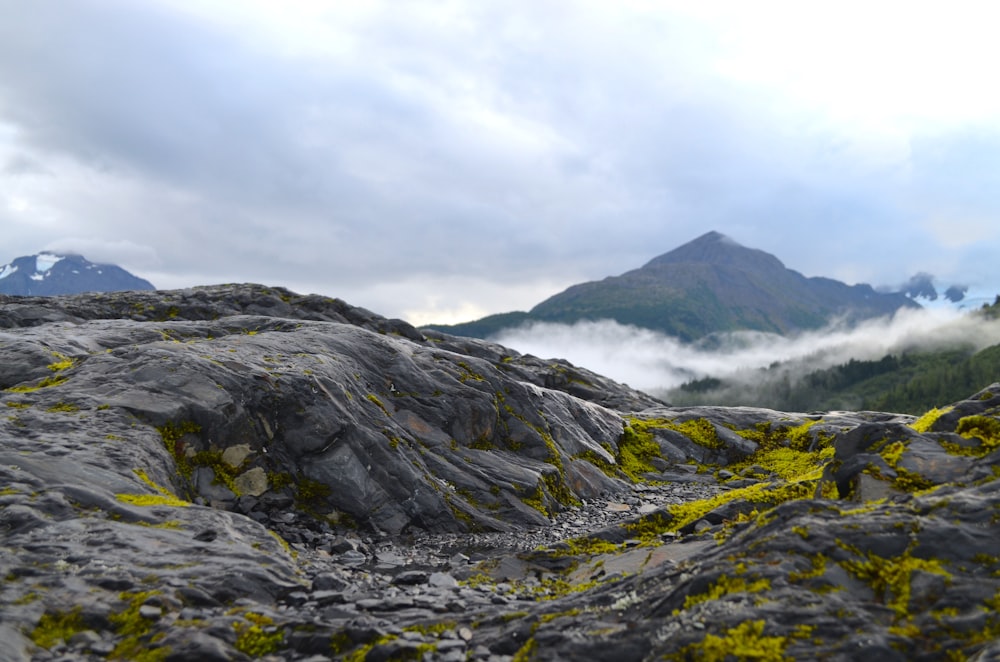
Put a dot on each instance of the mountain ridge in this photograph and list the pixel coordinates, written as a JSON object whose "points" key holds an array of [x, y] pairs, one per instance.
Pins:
{"points": [[707, 285], [50, 274]]}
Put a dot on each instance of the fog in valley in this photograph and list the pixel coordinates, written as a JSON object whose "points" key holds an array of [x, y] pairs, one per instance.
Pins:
{"points": [[656, 363]]}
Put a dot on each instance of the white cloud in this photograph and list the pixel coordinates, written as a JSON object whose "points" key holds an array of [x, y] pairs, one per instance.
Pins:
{"points": [[653, 362]]}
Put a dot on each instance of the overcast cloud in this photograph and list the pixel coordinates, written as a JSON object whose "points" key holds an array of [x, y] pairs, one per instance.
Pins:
{"points": [[656, 363], [440, 161]]}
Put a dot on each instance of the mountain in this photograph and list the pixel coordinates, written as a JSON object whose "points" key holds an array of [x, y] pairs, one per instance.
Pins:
{"points": [[48, 274], [707, 285]]}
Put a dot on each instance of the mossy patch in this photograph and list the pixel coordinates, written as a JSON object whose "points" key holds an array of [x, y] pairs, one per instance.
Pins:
{"points": [[927, 421], [728, 585], [889, 577], [56, 627], [152, 500], [746, 641], [257, 636], [137, 642], [984, 429]]}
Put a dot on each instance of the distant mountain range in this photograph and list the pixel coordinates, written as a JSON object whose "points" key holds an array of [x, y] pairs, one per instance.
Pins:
{"points": [[49, 274], [708, 285]]}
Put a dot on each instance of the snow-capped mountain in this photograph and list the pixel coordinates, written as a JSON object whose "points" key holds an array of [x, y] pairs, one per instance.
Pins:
{"points": [[924, 290], [48, 274]]}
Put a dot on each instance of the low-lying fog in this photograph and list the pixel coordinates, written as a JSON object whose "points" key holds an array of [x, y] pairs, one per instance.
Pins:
{"points": [[656, 363]]}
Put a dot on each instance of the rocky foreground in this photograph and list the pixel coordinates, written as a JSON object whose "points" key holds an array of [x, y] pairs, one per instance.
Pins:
{"points": [[238, 472]]}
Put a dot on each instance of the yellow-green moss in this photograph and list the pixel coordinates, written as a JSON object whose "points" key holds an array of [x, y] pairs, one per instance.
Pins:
{"points": [[788, 463], [817, 568], [63, 408], [700, 431], [636, 447], [536, 501], [371, 397], [584, 546], [63, 363], [134, 630], [927, 421], [985, 429], [890, 577], [435, 629], [172, 433], [769, 494], [144, 477], [45, 383], [744, 642], [726, 585], [152, 500], [55, 627], [255, 639]]}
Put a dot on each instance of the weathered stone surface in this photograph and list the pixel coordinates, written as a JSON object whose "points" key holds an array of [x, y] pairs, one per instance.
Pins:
{"points": [[235, 472]]}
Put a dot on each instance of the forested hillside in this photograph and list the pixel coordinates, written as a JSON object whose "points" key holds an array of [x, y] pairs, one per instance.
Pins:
{"points": [[907, 382]]}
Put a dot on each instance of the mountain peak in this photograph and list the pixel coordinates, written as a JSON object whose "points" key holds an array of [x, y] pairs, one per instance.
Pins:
{"points": [[716, 248], [52, 273]]}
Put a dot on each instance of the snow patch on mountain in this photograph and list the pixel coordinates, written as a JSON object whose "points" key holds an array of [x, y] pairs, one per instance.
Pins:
{"points": [[45, 261]]}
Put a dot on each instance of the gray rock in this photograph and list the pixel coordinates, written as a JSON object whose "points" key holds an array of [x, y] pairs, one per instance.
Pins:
{"points": [[421, 491]]}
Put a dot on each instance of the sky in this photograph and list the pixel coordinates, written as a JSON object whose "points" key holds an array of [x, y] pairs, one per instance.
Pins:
{"points": [[440, 161]]}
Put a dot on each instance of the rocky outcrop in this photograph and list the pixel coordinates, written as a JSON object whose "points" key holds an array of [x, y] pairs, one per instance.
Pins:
{"points": [[236, 472]]}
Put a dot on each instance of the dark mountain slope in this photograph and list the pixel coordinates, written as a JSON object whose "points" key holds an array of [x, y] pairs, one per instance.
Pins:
{"points": [[710, 284], [48, 274]]}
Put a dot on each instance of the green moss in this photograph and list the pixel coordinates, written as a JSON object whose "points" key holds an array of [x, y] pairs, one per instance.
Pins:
{"points": [[45, 383], [890, 577], [801, 438], [135, 630], [905, 480], [63, 408], [435, 629], [985, 429], [19, 405], [726, 585], [309, 492], [700, 431], [526, 651], [817, 569], [536, 501], [63, 362], [361, 654], [149, 481], [788, 463], [636, 448], [172, 435], [746, 641], [284, 544], [927, 421], [584, 546], [168, 524], [258, 638], [465, 373], [56, 627], [371, 397], [152, 500], [280, 479], [767, 494]]}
